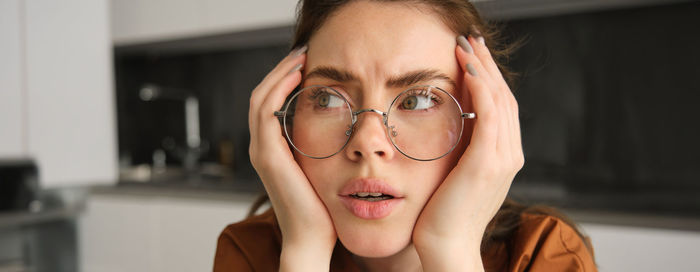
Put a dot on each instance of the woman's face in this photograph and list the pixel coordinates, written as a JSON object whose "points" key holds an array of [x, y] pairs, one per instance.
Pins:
{"points": [[364, 45]]}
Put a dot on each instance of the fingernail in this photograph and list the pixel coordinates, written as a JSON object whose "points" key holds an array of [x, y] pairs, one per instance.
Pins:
{"points": [[475, 31], [462, 41], [296, 68], [477, 34], [471, 70], [300, 50]]}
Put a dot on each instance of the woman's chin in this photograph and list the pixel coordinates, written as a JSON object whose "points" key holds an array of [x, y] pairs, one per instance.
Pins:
{"points": [[371, 242]]}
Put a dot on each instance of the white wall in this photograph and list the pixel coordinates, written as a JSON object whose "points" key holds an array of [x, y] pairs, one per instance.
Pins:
{"points": [[137, 21], [153, 233], [12, 103], [619, 248], [70, 97]]}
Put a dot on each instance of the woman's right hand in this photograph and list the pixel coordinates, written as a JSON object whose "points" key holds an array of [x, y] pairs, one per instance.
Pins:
{"points": [[308, 234]]}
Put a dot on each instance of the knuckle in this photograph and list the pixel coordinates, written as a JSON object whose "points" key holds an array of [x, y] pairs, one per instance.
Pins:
{"points": [[516, 108], [518, 162], [489, 116], [521, 160], [479, 84], [504, 168], [254, 161], [257, 161], [512, 101], [498, 98], [254, 100], [483, 53]]}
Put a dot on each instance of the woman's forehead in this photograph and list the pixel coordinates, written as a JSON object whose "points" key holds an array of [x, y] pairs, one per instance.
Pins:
{"points": [[376, 41]]}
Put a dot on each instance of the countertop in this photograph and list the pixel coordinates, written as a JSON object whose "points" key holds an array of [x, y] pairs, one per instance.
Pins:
{"points": [[52, 205], [594, 209]]}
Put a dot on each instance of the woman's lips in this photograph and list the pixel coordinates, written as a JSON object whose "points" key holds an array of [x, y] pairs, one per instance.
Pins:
{"points": [[370, 210], [369, 185], [364, 208]]}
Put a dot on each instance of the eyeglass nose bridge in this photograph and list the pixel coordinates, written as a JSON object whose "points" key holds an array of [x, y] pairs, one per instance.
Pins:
{"points": [[356, 113]]}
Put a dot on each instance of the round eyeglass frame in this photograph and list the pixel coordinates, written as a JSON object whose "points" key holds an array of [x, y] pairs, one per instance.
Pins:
{"points": [[385, 117]]}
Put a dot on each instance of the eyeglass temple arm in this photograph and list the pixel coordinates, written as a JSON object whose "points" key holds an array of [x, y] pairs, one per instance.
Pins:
{"points": [[469, 115], [279, 114]]}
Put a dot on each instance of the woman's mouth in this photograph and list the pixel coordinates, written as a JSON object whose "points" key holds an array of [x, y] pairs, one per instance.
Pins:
{"points": [[369, 198]]}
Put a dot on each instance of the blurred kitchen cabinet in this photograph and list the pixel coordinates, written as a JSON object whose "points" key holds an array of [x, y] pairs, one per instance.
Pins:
{"points": [[12, 143], [122, 232], [639, 249], [70, 91], [57, 99], [142, 21]]}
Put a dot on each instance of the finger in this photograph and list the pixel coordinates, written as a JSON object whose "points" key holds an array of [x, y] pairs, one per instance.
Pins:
{"points": [[471, 65], [484, 55], [282, 69], [259, 94], [516, 141], [485, 127], [276, 97], [269, 128], [503, 145], [503, 97], [470, 58], [512, 132], [283, 87], [291, 60]]}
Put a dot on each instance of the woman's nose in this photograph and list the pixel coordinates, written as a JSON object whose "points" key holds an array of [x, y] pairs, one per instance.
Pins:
{"points": [[369, 138]]}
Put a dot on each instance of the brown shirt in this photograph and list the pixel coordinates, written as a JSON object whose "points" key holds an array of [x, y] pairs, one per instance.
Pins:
{"points": [[540, 243]]}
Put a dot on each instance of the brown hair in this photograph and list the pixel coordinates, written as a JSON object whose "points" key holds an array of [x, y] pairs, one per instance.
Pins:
{"points": [[459, 15], [463, 18]]}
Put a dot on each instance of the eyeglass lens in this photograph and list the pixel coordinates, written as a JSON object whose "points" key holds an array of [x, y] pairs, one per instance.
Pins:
{"points": [[423, 123]]}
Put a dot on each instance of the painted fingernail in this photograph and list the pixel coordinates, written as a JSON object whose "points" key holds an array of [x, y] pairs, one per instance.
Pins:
{"points": [[296, 68], [471, 70], [475, 31], [462, 41], [300, 50], [477, 35]]}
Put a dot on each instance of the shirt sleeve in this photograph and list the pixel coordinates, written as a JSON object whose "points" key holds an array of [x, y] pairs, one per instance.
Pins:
{"points": [[546, 243], [229, 256]]}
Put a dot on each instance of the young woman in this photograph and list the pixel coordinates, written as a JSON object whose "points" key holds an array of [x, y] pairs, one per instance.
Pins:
{"points": [[396, 152]]}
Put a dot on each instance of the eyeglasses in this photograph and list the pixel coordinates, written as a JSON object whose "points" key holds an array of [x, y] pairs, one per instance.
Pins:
{"points": [[423, 123]]}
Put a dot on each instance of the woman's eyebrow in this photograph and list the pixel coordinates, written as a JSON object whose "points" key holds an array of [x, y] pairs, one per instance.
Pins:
{"points": [[332, 73], [418, 76], [403, 80]]}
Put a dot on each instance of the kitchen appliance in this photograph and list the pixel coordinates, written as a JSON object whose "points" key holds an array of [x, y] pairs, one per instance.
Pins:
{"points": [[19, 185]]}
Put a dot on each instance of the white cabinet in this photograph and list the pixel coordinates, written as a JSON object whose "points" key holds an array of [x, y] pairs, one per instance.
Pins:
{"points": [[147, 232], [623, 248], [140, 21], [70, 97], [57, 98], [121, 232], [12, 102]]}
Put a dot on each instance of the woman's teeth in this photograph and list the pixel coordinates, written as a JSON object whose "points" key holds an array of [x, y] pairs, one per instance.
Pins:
{"points": [[371, 196], [364, 194]]}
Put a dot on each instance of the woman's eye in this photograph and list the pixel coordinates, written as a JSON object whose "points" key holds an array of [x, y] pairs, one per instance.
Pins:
{"points": [[417, 102], [327, 100]]}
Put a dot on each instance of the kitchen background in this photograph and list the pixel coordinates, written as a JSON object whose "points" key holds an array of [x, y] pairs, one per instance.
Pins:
{"points": [[124, 142]]}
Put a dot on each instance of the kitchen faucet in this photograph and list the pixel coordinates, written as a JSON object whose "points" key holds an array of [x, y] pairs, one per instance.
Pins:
{"points": [[193, 151]]}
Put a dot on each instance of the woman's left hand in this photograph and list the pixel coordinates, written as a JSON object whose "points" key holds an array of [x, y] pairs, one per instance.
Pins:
{"points": [[449, 230]]}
